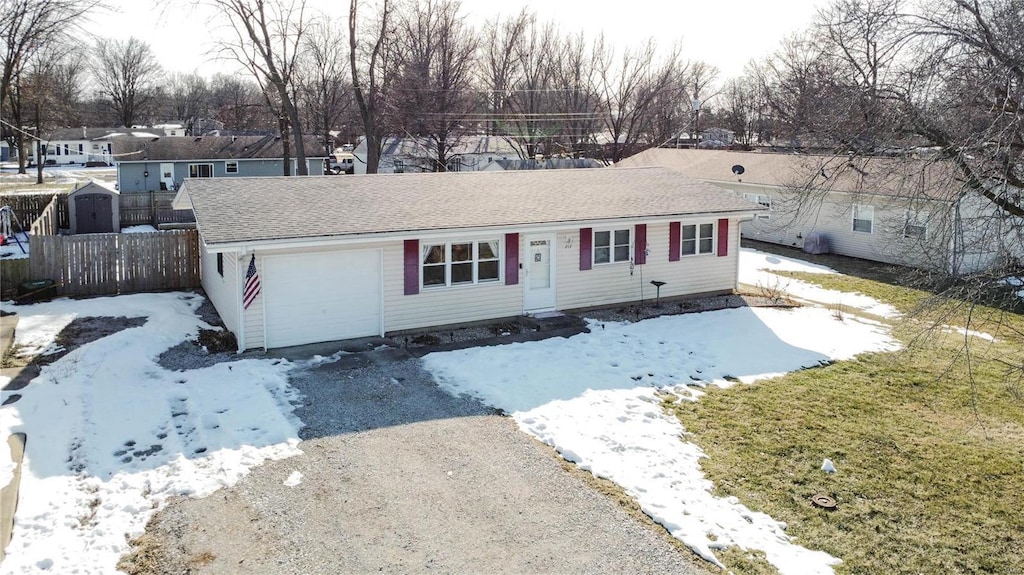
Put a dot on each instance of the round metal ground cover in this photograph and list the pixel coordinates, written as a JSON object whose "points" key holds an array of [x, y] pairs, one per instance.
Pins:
{"points": [[823, 501]]}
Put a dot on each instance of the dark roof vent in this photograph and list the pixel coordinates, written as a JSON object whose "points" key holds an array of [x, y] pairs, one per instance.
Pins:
{"points": [[738, 170]]}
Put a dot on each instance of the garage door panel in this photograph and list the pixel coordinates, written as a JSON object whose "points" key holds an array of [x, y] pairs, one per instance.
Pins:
{"points": [[321, 297]]}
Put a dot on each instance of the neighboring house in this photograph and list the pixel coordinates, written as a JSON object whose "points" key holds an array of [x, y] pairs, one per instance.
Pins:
{"points": [[902, 211], [468, 154], [545, 164], [161, 163], [170, 130], [77, 146], [420, 250]]}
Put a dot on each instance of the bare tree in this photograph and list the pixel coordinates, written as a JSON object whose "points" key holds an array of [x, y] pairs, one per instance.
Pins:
{"points": [[629, 87], [576, 95], [237, 103], [269, 37], [373, 64], [189, 96], [435, 75], [27, 27], [127, 73], [498, 72], [325, 80]]}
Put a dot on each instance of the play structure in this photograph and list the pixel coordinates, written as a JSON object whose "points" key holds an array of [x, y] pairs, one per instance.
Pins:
{"points": [[7, 218]]}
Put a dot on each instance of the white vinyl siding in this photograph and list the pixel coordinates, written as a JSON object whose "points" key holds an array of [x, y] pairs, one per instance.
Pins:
{"points": [[603, 285], [222, 291]]}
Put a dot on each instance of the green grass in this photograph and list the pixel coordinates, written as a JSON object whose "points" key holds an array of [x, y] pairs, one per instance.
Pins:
{"points": [[929, 446]]}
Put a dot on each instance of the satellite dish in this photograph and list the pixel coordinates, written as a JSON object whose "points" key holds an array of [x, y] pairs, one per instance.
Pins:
{"points": [[738, 169]]}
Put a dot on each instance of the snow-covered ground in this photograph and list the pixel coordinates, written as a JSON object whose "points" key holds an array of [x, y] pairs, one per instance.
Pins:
{"points": [[112, 435], [14, 251], [756, 270]]}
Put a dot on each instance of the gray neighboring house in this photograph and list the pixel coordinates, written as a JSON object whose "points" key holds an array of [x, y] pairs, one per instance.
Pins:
{"points": [[905, 211], [162, 163], [363, 255]]}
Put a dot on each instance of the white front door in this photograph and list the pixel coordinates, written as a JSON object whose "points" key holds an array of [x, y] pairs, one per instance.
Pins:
{"points": [[539, 291]]}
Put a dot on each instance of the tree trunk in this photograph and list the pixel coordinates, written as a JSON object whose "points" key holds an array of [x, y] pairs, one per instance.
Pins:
{"points": [[282, 124]]}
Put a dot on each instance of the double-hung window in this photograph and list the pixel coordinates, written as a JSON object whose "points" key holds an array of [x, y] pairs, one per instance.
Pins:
{"points": [[231, 167], [915, 225], [200, 170], [611, 246], [863, 218], [697, 239], [460, 263]]}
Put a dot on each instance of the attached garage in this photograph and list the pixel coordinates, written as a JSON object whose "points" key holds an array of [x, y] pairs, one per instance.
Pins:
{"points": [[327, 296]]}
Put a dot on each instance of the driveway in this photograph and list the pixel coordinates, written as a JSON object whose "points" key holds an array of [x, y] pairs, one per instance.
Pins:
{"points": [[398, 476]]}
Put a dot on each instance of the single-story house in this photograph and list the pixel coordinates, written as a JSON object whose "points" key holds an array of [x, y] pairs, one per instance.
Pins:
{"points": [[76, 145], [907, 211], [163, 163], [338, 258]]}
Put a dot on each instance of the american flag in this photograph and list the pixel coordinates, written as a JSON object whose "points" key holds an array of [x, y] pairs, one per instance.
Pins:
{"points": [[252, 284]]}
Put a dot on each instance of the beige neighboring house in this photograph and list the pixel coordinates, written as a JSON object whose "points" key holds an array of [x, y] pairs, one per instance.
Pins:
{"points": [[901, 211], [366, 255]]}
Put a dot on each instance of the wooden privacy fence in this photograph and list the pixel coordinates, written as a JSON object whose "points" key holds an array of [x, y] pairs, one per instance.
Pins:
{"points": [[107, 264], [28, 207], [151, 208], [46, 223]]}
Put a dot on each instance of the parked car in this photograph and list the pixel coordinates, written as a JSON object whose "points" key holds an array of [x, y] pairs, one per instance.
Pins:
{"points": [[341, 163]]}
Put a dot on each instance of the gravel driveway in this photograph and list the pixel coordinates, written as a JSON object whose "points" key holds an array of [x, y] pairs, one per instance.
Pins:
{"points": [[400, 477]]}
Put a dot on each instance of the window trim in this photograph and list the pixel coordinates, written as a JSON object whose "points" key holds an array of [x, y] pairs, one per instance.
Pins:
{"points": [[475, 260], [611, 246], [871, 220], [196, 165], [920, 220], [231, 167], [697, 238]]}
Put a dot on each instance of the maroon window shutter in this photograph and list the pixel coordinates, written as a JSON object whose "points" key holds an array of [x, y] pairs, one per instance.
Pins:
{"points": [[640, 244], [723, 237], [412, 267], [511, 259], [586, 247], [674, 237]]}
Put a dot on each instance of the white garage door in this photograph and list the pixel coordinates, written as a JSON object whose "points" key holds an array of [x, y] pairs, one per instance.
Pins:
{"points": [[321, 297]]}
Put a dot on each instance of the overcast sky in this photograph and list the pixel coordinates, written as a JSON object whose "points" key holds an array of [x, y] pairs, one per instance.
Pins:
{"points": [[725, 33]]}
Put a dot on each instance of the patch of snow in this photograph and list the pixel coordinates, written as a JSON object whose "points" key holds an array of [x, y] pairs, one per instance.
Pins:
{"points": [[968, 332], [756, 269], [596, 399], [112, 435], [145, 135], [7, 465], [293, 480], [140, 229]]}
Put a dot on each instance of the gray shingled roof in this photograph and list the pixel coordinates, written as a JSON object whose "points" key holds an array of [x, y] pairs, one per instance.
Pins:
{"points": [[172, 148], [897, 177], [232, 210]]}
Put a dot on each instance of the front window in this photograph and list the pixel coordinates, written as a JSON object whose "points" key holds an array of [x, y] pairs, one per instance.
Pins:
{"points": [[200, 170], [231, 167], [611, 246], [863, 218], [460, 263], [697, 239]]}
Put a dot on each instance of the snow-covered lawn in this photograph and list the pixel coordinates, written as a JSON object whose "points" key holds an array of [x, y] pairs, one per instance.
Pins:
{"points": [[596, 399], [112, 435]]}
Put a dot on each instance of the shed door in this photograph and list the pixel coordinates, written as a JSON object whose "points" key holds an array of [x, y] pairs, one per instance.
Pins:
{"points": [[94, 214], [316, 297]]}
